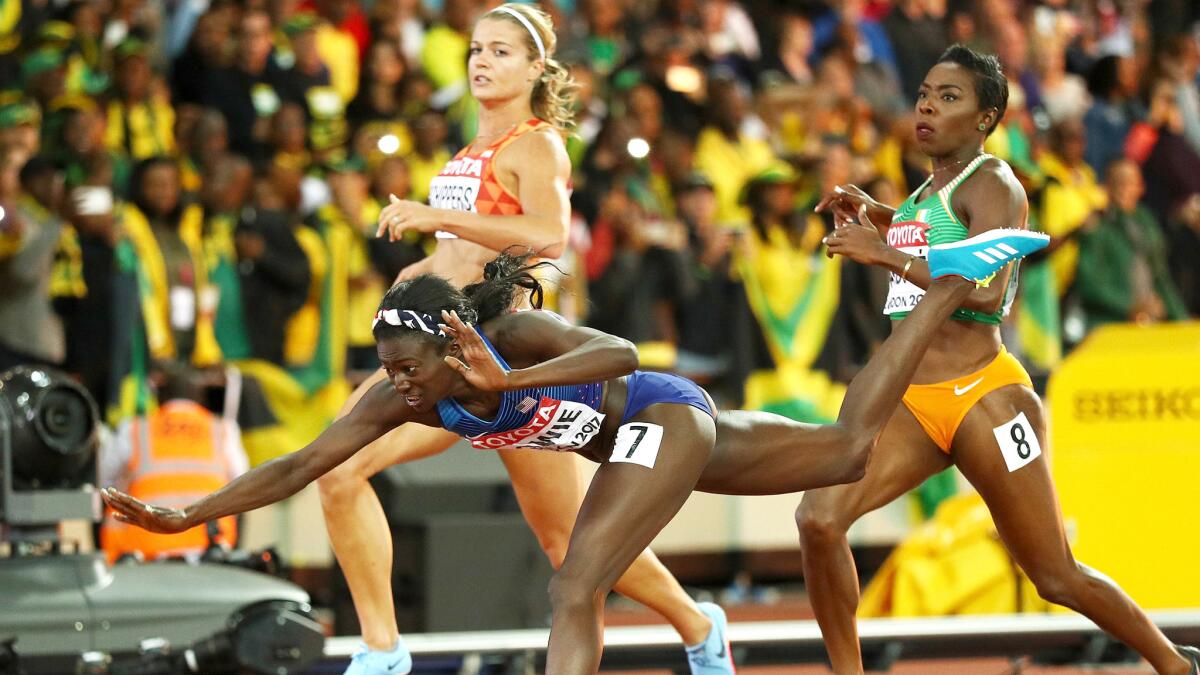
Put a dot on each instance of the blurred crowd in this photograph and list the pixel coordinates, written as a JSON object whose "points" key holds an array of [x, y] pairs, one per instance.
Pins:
{"points": [[197, 181]]}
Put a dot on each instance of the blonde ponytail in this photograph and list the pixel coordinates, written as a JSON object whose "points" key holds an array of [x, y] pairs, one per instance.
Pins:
{"points": [[554, 95]]}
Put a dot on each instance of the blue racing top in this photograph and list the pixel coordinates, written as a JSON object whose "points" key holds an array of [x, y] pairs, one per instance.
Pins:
{"points": [[563, 417]]}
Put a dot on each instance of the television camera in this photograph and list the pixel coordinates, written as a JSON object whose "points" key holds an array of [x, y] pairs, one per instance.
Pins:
{"points": [[69, 611]]}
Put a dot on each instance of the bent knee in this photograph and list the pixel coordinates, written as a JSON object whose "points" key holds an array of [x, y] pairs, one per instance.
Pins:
{"points": [[1056, 592], [855, 448], [819, 524], [341, 482], [552, 536], [570, 592], [1061, 586]]}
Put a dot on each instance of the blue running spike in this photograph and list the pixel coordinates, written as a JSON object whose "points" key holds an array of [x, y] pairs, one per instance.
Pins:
{"points": [[981, 256], [713, 656], [369, 662]]}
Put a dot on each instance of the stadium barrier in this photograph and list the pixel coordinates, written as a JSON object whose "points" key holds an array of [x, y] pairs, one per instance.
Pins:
{"points": [[1056, 638]]}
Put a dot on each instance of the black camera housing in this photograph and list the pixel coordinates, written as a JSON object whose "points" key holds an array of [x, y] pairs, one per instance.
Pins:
{"points": [[48, 443]]}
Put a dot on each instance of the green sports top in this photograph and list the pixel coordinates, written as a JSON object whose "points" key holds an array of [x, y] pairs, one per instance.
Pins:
{"points": [[918, 224]]}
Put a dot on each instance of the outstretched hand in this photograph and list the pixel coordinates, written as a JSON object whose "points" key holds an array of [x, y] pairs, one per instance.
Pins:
{"points": [[153, 518], [478, 365]]}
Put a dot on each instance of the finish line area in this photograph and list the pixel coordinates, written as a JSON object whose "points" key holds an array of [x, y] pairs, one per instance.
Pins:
{"points": [[1066, 638]]}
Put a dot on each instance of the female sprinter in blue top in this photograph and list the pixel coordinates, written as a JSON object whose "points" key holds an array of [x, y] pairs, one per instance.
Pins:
{"points": [[508, 186]]}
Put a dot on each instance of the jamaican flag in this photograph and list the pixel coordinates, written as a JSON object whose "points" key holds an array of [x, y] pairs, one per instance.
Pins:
{"points": [[129, 388], [220, 259], [1038, 317], [144, 331], [1038, 311], [793, 289], [1039, 321], [299, 400]]}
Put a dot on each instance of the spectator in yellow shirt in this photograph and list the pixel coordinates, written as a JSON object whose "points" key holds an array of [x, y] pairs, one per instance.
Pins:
{"points": [[342, 37], [1071, 198], [444, 52], [430, 153], [140, 122], [727, 154], [444, 60]]}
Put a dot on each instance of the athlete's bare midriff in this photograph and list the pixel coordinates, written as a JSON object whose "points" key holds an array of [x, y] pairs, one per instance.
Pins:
{"points": [[959, 348], [459, 261]]}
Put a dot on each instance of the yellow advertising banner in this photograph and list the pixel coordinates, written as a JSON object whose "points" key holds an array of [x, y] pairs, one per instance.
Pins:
{"points": [[1125, 452]]}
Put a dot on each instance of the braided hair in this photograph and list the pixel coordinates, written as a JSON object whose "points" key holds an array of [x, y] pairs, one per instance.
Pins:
{"points": [[415, 306]]}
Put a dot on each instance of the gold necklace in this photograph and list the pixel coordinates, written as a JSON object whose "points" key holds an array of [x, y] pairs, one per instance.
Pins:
{"points": [[955, 164]]}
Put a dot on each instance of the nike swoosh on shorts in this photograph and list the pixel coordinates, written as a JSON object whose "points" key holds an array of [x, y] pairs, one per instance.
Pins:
{"points": [[969, 387]]}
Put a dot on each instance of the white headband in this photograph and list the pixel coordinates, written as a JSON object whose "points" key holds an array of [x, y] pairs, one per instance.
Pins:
{"points": [[537, 39], [408, 319]]}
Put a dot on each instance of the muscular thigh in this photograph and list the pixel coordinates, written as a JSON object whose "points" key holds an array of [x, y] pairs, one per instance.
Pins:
{"points": [[759, 453], [903, 458], [548, 486], [627, 503], [1019, 492]]}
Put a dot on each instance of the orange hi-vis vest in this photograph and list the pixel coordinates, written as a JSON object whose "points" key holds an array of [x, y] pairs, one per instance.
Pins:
{"points": [[178, 457]]}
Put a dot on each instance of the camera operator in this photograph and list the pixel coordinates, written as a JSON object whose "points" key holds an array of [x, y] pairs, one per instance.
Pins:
{"points": [[171, 455]]}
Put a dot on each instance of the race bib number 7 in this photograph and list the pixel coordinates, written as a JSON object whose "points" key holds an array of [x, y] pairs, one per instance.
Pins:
{"points": [[637, 443]]}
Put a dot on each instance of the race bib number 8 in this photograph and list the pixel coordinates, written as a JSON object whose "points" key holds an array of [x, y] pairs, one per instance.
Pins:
{"points": [[637, 443], [1018, 442]]}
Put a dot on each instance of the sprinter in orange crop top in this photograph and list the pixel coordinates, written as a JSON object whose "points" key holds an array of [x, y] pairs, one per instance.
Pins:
{"points": [[507, 187], [972, 404]]}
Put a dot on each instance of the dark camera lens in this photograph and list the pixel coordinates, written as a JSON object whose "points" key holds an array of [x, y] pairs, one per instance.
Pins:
{"points": [[65, 418]]}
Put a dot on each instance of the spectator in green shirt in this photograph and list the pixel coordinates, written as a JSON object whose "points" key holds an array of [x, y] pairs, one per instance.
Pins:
{"points": [[1123, 272]]}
